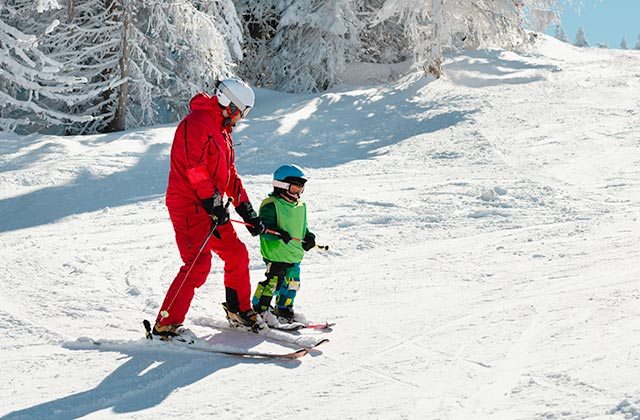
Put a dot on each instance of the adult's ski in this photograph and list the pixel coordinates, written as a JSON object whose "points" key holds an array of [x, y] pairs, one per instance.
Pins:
{"points": [[198, 344], [86, 343]]}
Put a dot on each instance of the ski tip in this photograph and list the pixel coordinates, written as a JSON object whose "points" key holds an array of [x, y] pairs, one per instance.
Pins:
{"points": [[297, 354]]}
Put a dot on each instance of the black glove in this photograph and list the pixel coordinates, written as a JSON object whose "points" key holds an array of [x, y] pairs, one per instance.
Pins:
{"points": [[309, 241], [284, 235], [249, 215], [216, 210]]}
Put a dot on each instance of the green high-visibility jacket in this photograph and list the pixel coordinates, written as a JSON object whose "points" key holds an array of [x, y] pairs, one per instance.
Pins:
{"points": [[278, 214]]}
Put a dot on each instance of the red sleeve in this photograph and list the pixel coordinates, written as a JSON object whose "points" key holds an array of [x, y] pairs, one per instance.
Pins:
{"points": [[196, 153]]}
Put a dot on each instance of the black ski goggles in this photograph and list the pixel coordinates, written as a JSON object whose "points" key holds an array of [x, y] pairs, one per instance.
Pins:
{"points": [[234, 110]]}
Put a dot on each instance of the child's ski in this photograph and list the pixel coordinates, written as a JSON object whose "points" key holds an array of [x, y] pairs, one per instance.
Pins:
{"points": [[297, 326], [305, 341]]}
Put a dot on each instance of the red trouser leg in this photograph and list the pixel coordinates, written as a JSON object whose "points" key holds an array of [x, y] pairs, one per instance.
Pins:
{"points": [[236, 267], [191, 228]]}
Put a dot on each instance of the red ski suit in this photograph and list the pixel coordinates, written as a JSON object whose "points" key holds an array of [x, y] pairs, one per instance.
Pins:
{"points": [[202, 163]]}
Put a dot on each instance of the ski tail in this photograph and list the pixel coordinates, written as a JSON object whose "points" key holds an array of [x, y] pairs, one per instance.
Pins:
{"points": [[147, 329]]}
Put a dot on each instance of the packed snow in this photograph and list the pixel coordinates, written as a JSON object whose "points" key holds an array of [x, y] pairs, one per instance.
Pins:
{"points": [[483, 232]]}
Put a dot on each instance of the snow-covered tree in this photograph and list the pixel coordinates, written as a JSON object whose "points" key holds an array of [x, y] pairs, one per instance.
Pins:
{"points": [[581, 39], [561, 35], [541, 14], [142, 60], [302, 44], [177, 49], [623, 43], [431, 26], [383, 41], [602, 45], [637, 47], [299, 45], [260, 21], [33, 88]]}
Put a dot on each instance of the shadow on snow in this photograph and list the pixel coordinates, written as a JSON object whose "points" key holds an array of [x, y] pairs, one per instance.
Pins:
{"points": [[87, 193], [144, 381]]}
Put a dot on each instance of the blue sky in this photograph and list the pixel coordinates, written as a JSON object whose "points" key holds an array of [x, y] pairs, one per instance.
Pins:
{"points": [[603, 21]]}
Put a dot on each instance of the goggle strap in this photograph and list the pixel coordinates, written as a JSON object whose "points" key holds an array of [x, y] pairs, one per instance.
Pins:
{"points": [[281, 184]]}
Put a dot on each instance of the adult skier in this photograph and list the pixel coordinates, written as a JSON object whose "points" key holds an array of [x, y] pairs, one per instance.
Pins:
{"points": [[202, 172]]}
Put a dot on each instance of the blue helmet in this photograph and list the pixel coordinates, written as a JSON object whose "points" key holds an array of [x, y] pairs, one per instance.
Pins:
{"points": [[290, 171]]}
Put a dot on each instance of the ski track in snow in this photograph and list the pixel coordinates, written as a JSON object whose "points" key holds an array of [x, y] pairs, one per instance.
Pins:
{"points": [[483, 233]]}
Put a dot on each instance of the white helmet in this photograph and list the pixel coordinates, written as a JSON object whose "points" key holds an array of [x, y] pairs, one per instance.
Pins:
{"points": [[236, 94]]}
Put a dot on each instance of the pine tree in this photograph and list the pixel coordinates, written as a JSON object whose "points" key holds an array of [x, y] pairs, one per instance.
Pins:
{"points": [[637, 47], [560, 35], [581, 39], [623, 43]]}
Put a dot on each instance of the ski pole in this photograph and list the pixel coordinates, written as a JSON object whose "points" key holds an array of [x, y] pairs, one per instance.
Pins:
{"points": [[165, 312], [275, 232]]}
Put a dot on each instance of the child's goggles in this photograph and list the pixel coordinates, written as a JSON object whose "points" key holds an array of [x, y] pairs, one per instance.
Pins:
{"points": [[295, 189]]}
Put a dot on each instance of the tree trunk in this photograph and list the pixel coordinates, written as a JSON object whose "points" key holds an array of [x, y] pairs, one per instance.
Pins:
{"points": [[119, 120], [71, 11], [435, 64]]}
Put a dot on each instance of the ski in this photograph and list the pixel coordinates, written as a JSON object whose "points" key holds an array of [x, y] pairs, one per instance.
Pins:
{"points": [[297, 326], [86, 343], [304, 341], [207, 348], [193, 342]]}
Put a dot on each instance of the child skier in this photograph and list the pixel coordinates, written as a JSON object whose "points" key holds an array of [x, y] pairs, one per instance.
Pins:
{"points": [[283, 212]]}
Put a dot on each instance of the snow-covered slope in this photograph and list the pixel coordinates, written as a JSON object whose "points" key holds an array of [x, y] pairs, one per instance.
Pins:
{"points": [[483, 263]]}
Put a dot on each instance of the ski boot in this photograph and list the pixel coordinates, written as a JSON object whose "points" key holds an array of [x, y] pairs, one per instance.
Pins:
{"points": [[245, 320], [286, 315], [172, 332], [269, 318]]}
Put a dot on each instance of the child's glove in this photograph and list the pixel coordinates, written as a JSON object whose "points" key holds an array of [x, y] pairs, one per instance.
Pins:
{"points": [[284, 235], [309, 241]]}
